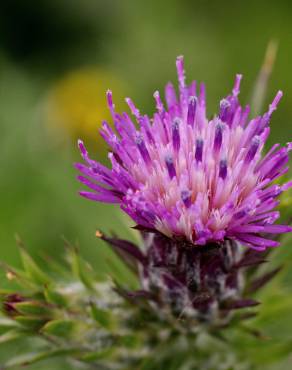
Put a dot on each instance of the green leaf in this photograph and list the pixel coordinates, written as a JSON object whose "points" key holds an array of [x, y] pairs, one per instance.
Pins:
{"points": [[53, 297], [80, 268], [30, 323], [33, 308], [5, 322], [11, 335], [149, 364], [98, 355], [34, 357], [17, 276], [129, 341], [32, 269], [120, 272], [60, 328], [104, 318]]}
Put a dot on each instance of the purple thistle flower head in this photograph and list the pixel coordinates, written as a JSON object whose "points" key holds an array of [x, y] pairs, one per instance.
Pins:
{"points": [[189, 177]]}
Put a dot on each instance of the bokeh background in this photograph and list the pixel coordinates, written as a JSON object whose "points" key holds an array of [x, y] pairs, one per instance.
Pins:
{"points": [[57, 59]]}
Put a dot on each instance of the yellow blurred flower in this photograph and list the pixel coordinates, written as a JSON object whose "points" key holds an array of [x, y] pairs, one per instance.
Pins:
{"points": [[77, 103]]}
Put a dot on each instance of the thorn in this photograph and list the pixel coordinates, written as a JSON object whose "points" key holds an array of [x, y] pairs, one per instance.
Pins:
{"points": [[98, 234], [10, 275]]}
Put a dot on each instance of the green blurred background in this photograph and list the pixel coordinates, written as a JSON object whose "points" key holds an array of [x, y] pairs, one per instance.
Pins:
{"points": [[57, 59]]}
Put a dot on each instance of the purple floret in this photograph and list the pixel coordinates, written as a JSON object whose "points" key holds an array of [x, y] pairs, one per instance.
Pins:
{"points": [[189, 177]]}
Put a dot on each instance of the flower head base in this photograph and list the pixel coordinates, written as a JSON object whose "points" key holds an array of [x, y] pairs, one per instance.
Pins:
{"points": [[208, 284], [189, 177]]}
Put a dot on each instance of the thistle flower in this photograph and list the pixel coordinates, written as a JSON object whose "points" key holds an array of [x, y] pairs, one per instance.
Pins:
{"points": [[190, 178]]}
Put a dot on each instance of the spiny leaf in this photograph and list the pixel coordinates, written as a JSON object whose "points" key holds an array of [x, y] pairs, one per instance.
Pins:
{"points": [[104, 318], [129, 340], [98, 355], [242, 303], [31, 268], [5, 322], [81, 269], [126, 247], [33, 308], [251, 258], [254, 332], [30, 323], [11, 335], [59, 328], [127, 260], [120, 272], [18, 276], [58, 268], [138, 295], [242, 317], [34, 357], [53, 297]]}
